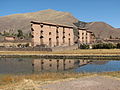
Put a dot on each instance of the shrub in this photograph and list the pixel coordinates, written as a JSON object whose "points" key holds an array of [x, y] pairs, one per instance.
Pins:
{"points": [[104, 46], [84, 46], [118, 45], [20, 34], [26, 45], [19, 45]]}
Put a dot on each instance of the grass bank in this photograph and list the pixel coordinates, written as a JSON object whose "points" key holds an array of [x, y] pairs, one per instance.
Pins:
{"points": [[80, 52], [45, 78], [91, 52]]}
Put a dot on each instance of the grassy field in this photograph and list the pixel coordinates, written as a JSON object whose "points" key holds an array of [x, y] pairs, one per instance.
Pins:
{"points": [[40, 79], [80, 52], [91, 51]]}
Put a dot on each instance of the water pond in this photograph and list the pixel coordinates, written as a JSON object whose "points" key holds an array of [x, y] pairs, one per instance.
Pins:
{"points": [[37, 65]]}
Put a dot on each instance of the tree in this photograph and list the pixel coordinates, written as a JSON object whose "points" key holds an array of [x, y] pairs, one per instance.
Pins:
{"points": [[20, 34], [104, 46], [118, 45], [84, 46], [110, 37], [5, 33]]}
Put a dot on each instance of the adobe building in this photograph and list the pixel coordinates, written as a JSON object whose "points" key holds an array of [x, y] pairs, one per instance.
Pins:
{"points": [[91, 37], [13, 42], [9, 38], [51, 34], [85, 36]]}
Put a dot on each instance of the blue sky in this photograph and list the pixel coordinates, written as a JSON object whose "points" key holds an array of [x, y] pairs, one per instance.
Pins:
{"points": [[85, 10]]}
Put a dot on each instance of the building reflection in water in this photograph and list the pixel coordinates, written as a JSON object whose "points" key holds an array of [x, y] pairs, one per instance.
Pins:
{"points": [[29, 65], [40, 65]]}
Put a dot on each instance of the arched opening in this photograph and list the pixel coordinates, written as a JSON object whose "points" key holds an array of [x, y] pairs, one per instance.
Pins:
{"points": [[63, 39], [57, 64], [42, 63], [32, 29], [57, 31], [57, 41], [41, 40], [41, 25], [69, 42], [50, 65], [64, 64], [50, 42], [50, 33], [41, 32]]}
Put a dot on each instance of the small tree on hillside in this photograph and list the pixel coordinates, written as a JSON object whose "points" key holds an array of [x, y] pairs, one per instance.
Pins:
{"points": [[5, 33], [118, 45], [20, 34], [110, 37]]}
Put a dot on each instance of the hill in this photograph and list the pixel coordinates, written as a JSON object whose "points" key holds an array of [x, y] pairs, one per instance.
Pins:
{"points": [[12, 23], [22, 21], [103, 30]]}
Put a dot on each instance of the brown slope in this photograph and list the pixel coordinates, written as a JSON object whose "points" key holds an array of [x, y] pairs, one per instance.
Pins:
{"points": [[22, 21], [103, 30]]}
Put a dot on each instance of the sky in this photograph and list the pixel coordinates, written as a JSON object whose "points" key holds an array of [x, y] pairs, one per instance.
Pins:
{"points": [[85, 10]]}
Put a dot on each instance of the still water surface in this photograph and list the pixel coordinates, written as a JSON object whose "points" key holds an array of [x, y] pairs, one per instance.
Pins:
{"points": [[32, 65]]}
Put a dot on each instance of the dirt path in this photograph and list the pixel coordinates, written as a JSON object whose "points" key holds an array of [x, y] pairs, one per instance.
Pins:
{"points": [[86, 83]]}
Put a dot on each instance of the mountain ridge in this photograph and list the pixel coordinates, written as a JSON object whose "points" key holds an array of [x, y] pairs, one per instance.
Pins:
{"points": [[22, 21], [103, 30]]}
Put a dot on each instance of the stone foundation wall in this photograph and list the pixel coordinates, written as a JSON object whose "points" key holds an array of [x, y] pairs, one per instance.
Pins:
{"points": [[65, 48], [26, 49]]}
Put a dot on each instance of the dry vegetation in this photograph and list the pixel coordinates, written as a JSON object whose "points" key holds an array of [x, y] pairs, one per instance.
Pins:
{"points": [[91, 51], [112, 74], [76, 52], [7, 79], [17, 81], [13, 82]]}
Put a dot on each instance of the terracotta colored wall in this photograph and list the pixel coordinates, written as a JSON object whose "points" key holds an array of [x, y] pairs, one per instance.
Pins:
{"points": [[49, 32], [36, 34], [86, 37], [10, 38], [60, 35], [92, 38], [82, 36], [46, 34]]}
